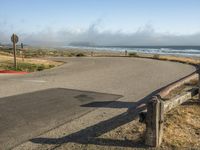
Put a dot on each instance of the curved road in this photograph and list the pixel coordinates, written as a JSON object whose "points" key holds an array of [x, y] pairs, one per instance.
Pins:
{"points": [[34, 103]]}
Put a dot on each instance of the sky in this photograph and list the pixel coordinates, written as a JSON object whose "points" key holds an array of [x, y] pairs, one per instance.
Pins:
{"points": [[101, 22]]}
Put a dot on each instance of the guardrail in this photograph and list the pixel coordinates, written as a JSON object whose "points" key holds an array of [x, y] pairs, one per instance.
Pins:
{"points": [[153, 117]]}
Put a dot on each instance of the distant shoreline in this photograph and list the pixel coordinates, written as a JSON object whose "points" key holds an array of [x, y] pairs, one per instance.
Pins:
{"points": [[186, 51]]}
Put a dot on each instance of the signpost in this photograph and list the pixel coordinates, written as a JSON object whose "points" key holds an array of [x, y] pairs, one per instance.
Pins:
{"points": [[14, 39]]}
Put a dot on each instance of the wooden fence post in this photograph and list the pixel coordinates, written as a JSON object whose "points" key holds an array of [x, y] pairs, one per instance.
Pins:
{"points": [[154, 122], [198, 71], [161, 122]]}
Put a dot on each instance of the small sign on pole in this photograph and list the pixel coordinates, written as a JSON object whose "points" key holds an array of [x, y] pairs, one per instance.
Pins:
{"points": [[14, 39], [22, 51]]}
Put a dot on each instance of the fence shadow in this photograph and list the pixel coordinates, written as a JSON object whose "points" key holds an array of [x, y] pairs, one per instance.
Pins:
{"points": [[90, 135]]}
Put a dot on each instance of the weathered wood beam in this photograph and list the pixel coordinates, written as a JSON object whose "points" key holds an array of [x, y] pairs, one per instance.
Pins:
{"points": [[178, 100], [154, 121]]}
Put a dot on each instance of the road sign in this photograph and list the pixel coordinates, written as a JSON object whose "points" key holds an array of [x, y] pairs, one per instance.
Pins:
{"points": [[14, 38]]}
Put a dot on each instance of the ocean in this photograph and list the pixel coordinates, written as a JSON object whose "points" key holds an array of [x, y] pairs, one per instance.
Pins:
{"points": [[189, 51]]}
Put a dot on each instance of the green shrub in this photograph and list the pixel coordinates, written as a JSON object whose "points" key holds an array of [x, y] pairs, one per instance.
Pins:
{"points": [[12, 68], [51, 66], [133, 54], [71, 54], [156, 56], [80, 55], [28, 67], [40, 67]]}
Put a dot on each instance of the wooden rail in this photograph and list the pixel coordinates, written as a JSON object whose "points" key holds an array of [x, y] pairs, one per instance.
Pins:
{"points": [[157, 107], [163, 93]]}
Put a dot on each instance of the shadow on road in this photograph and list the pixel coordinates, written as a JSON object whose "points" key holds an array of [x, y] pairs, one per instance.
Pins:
{"points": [[31, 114], [91, 134], [109, 104]]}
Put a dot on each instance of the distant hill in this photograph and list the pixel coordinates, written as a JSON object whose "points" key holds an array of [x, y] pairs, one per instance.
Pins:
{"points": [[86, 44]]}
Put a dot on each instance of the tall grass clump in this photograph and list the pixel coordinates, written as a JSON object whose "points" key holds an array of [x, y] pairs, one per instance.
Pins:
{"points": [[133, 54], [80, 55], [156, 56]]}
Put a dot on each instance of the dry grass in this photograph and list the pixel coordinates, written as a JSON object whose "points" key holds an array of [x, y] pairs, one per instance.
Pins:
{"points": [[181, 59], [6, 60], [182, 126]]}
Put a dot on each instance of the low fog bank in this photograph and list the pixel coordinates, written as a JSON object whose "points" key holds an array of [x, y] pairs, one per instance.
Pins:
{"points": [[146, 35]]}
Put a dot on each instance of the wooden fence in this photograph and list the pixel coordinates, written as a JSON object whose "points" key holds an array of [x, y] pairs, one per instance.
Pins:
{"points": [[157, 107]]}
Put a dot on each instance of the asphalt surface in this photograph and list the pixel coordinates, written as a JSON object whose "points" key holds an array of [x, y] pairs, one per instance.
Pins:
{"points": [[35, 103]]}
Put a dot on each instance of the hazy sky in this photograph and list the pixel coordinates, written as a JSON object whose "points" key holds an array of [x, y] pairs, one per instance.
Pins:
{"points": [[110, 22]]}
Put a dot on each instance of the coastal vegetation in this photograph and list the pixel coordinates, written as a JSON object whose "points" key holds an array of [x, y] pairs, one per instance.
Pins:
{"points": [[133, 54], [26, 58], [156, 56], [31, 52], [25, 64]]}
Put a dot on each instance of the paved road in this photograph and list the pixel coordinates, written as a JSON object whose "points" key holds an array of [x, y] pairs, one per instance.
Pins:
{"points": [[35, 103]]}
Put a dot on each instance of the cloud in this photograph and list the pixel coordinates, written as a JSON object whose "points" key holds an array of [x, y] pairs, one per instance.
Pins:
{"points": [[145, 35]]}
